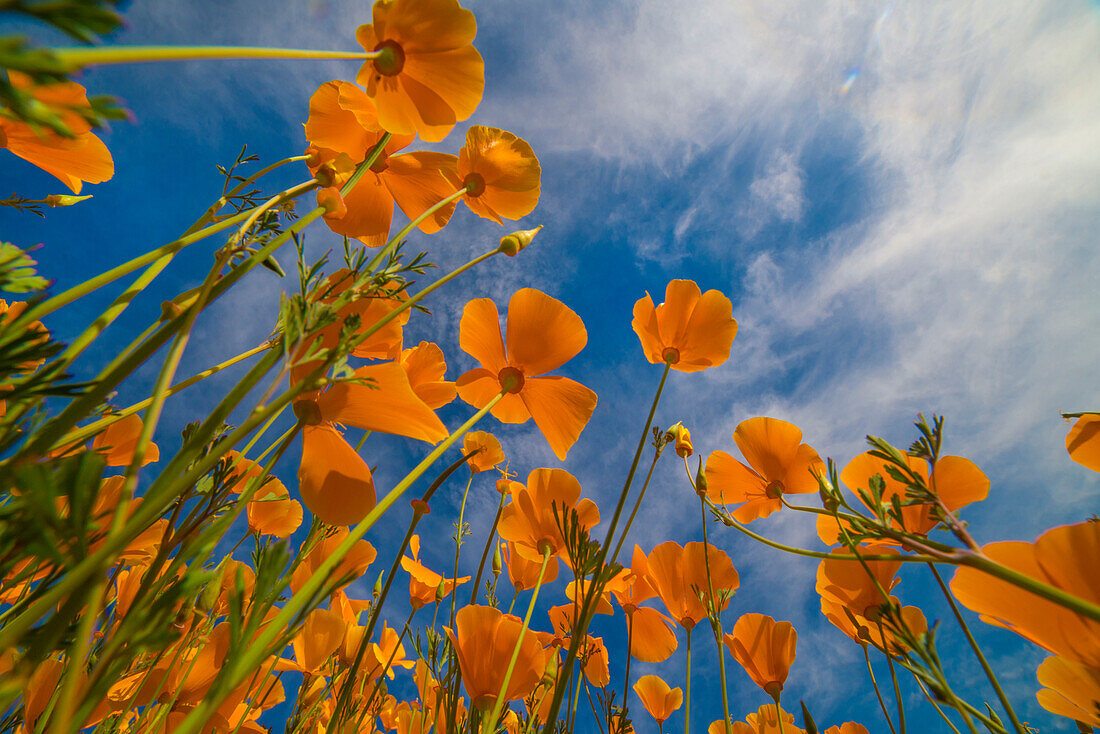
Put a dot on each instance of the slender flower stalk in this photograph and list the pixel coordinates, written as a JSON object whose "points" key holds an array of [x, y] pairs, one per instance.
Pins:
{"points": [[77, 57], [499, 704], [978, 652], [878, 693], [687, 686], [458, 538], [485, 551], [596, 588]]}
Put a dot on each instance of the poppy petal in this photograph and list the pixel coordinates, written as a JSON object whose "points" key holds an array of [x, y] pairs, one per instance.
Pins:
{"points": [[543, 333], [561, 408]]}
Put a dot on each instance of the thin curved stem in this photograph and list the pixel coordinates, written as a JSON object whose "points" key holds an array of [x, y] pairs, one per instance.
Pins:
{"points": [[458, 539], [878, 693]]}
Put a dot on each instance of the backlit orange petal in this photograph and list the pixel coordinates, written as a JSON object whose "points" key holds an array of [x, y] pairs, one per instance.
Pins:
{"points": [[489, 453], [769, 444], [653, 639], [543, 333], [272, 512], [417, 182], [731, 482], [456, 77], [478, 387], [1083, 442], [765, 648], [317, 640], [675, 312], [657, 698], [958, 482], [425, 25], [709, 333], [370, 210], [479, 334], [1072, 690], [337, 113], [119, 441], [561, 408], [426, 370], [645, 326], [385, 403], [71, 160], [335, 482]]}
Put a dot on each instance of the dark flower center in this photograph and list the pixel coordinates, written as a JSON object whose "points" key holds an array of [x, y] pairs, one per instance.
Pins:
{"points": [[391, 59], [474, 183], [511, 380], [671, 355]]}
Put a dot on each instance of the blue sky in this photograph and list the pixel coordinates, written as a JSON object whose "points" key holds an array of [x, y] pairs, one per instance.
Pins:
{"points": [[901, 200]]}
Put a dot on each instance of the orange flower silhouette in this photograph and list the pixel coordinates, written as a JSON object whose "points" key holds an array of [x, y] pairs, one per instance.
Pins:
{"points": [[846, 582], [1083, 442], [424, 583], [529, 521], [659, 700], [342, 128], [765, 648], [429, 76], [779, 463], [1064, 557], [500, 172], [690, 331], [679, 575], [489, 453], [484, 639], [73, 160], [955, 480], [543, 334]]}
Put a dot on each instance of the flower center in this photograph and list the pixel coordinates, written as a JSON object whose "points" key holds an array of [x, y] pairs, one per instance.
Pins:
{"points": [[391, 58], [474, 183], [774, 490], [381, 163], [308, 412], [671, 355], [511, 380]]}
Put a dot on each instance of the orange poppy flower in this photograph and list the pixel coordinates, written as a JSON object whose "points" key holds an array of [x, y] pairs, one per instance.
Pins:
{"points": [[484, 639], [850, 727], [1083, 442], [334, 481], [955, 480], [500, 172], [630, 586], [1064, 557], [543, 334], [846, 582], [370, 305], [659, 700], [863, 631], [354, 565], [766, 721], [524, 574], [317, 640], [1071, 690], [118, 442], [765, 648], [424, 583], [489, 453], [425, 368], [272, 512], [342, 128], [690, 331], [679, 575], [74, 160], [529, 521], [429, 76], [779, 463]]}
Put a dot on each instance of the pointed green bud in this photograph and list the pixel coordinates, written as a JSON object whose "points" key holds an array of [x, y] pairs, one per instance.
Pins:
{"points": [[65, 199], [498, 562], [441, 590], [510, 244], [377, 591]]}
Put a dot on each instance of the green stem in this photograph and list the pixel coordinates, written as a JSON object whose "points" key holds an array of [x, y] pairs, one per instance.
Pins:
{"points": [[629, 642], [637, 504], [401, 233], [229, 194], [597, 588], [458, 540], [235, 671], [874, 682], [77, 57], [978, 652], [485, 550], [716, 626], [778, 714], [499, 703], [687, 686], [935, 705]]}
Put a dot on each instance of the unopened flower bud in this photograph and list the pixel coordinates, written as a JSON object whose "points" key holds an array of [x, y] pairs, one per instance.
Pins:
{"points": [[682, 437], [550, 675], [510, 244], [441, 591], [377, 590], [700, 480], [209, 595], [65, 199], [498, 562]]}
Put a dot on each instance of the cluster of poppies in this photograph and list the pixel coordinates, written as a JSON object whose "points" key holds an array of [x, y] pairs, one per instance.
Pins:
{"points": [[232, 628]]}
